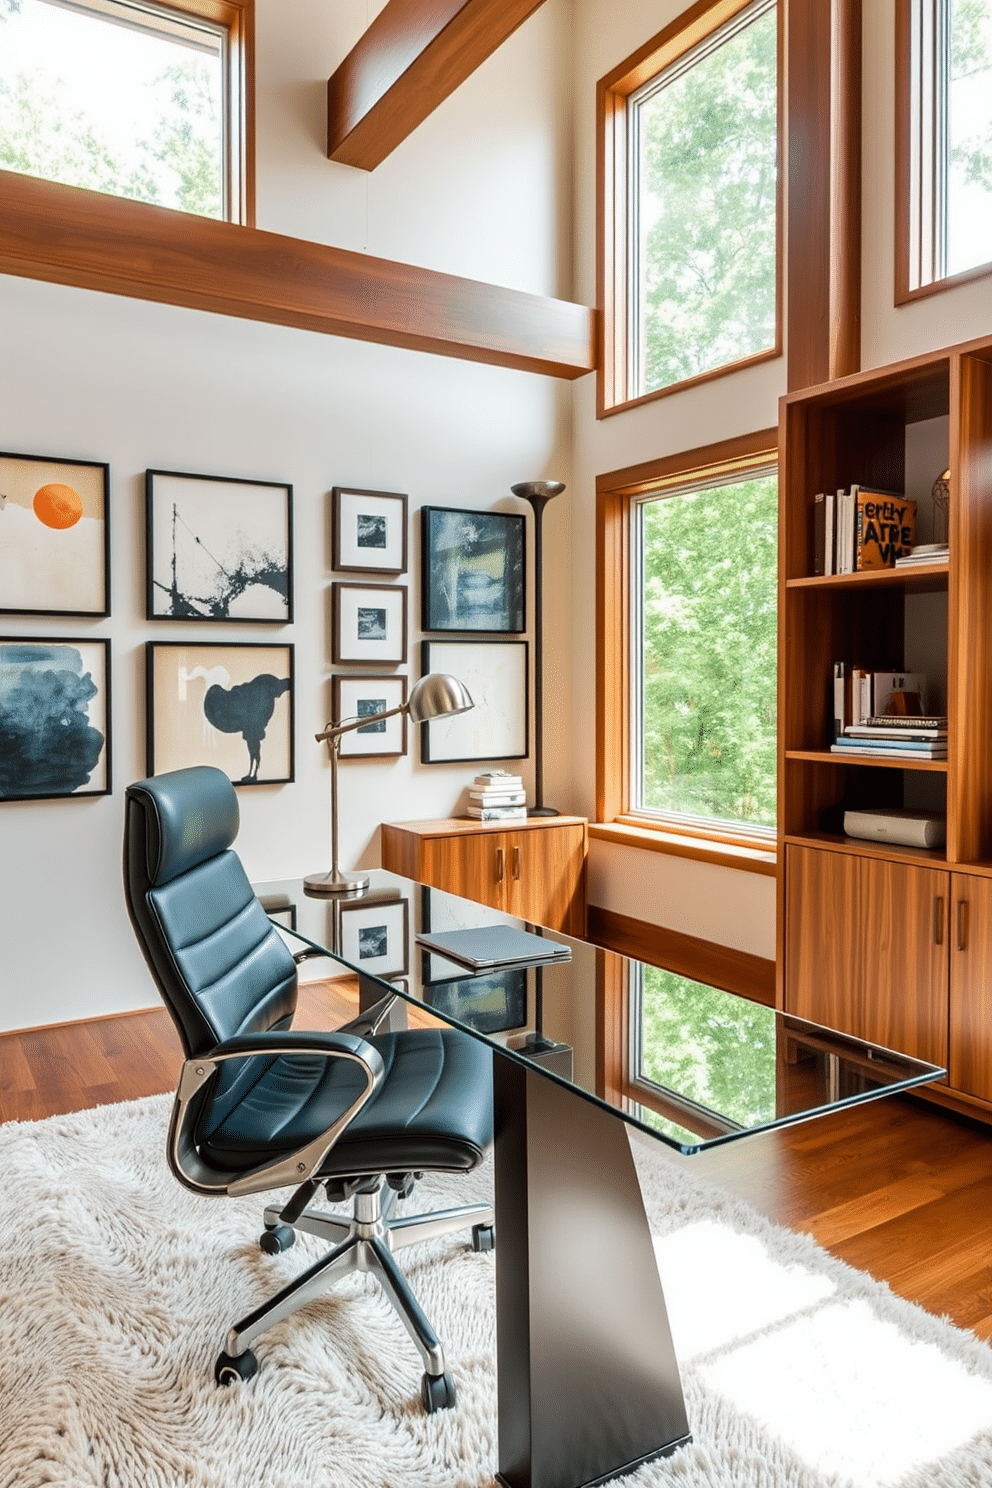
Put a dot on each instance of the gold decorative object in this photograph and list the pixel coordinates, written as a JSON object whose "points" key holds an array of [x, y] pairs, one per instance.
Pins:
{"points": [[940, 496]]}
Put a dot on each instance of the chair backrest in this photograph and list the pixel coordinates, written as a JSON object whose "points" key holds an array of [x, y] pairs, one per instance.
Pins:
{"points": [[219, 964]]}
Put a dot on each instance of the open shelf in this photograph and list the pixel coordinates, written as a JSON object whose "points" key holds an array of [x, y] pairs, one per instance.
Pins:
{"points": [[824, 756], [921, 577]]}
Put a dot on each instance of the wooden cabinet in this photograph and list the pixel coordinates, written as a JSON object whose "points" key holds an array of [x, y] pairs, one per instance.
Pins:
{"points": [[535, 869], [891, 943], [869, 942]]}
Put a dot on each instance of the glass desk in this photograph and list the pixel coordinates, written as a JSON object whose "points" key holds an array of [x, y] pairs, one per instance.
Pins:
{"points": [[588, 1383]]}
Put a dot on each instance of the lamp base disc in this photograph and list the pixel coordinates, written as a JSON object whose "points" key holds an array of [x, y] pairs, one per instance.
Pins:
{"points": [[323, 883], [542, 811]]}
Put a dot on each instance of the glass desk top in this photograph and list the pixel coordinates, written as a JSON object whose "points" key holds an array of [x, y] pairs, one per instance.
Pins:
{"points": [[689, 1063]]}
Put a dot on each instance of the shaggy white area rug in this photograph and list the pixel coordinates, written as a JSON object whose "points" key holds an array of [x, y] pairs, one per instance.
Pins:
{"points": [[117, 1288]]}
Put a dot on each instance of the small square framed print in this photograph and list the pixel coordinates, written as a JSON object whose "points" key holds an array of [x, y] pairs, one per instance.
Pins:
{"points": [[218, 549], [374, 935], [368, 531], [361, 697], [495, 673], [368, 623], [54, 718], [54, 536], [223, 704], [472, 570]]}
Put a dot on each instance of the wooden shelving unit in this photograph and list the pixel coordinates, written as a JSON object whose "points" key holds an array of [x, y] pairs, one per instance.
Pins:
{"points": [[886, 942]]}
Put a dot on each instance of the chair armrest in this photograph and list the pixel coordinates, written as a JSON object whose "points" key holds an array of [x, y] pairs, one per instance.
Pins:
{"points": [[290, 1168]]}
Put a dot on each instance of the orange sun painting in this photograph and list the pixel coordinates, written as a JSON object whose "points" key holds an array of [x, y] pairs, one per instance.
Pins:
{"points": [[57, 505]]}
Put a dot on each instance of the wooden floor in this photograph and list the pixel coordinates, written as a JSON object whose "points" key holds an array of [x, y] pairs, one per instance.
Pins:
{"points": [[896, 1188]]}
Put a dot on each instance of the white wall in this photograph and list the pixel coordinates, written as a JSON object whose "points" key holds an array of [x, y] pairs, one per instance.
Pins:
{"points": [[477, 191], [725, 905]]}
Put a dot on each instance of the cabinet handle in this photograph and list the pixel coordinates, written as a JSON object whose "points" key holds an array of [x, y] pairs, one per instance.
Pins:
{"points": [[938, 919], [962, 922], [516, 862], [500, 865]]}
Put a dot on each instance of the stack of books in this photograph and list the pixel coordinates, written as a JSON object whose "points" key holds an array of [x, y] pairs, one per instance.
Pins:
{"points": [[924, 553], [496, 795], [861, 528], [860, 695], [894, 737]]}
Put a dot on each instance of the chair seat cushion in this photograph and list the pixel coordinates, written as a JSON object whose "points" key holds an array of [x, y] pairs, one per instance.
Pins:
{"points": [[433, 1111]]}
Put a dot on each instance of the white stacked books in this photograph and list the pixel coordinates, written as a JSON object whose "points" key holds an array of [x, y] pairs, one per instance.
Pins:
{"points": [[496, 795]]}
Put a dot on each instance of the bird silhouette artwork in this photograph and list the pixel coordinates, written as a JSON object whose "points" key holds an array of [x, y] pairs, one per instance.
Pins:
{"points": [[245, 708]]}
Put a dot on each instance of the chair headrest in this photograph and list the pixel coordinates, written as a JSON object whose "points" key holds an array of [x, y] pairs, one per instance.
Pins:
{"points": [[190, 815]]}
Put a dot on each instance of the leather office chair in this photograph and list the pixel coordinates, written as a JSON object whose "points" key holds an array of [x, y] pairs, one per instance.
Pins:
{"points": [[260, 1105]]}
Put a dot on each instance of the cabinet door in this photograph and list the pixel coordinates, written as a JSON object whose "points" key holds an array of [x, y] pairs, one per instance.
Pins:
{"points": [[866, 948], [474, 865], [971, 970], [544, 877]]}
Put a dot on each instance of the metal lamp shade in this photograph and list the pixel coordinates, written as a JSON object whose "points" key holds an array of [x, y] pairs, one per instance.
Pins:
{"points": [[437, 694]]}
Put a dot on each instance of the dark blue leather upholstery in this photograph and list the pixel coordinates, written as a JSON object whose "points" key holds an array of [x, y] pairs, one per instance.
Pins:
{"points": [[223, 970]]}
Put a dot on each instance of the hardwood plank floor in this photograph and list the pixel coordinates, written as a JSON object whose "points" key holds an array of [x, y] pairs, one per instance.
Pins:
{"points": [[896, 1187]]}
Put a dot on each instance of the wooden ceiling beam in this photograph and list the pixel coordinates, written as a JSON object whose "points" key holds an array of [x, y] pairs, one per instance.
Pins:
{"points": [[411, 57], [66, 235]]}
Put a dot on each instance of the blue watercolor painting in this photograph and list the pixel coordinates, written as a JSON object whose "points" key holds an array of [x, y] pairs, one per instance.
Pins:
{"points": [[50, 706]]}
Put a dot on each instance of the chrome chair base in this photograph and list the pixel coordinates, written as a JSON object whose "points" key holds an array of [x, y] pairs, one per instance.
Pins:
{"points": [[364, 1242]]}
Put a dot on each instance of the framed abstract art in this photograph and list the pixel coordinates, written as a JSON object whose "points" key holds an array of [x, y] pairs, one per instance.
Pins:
{"points": [[54, 536]]}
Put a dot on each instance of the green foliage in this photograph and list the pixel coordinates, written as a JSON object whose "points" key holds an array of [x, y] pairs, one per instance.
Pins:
{"points": [[971, 54], [707, 1044], [709, 625], [178, 167], [187, 141], [709, 205], [38, 137]]}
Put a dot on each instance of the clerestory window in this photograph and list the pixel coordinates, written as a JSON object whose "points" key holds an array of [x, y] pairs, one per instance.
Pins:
{"points": [[690, 202], [132, 98], [944, 132]]}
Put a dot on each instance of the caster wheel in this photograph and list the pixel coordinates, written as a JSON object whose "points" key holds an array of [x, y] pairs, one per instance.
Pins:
{"points": [[483, 1237], [231, 1368], [277, 1239], [437, 1391]]}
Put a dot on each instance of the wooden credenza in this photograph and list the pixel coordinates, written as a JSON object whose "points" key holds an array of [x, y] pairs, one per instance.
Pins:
{"points": [[535, 869]]}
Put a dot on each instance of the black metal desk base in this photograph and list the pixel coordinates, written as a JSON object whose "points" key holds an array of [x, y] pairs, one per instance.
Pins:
{"points": [[588, 1382]]}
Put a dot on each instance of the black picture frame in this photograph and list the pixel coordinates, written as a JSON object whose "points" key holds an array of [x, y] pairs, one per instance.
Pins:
{"points": [[496, 673], [49, 752], [219, 549], [473, 571], [375, 930], [368, 624], [386, 740], [54, 536], [368, 531], [197, 683]]}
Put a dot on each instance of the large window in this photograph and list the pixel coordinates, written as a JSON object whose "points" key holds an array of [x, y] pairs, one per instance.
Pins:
{"points": [[703, 636], [690, 202], [687, 614], [129, 97], [945, 138]]}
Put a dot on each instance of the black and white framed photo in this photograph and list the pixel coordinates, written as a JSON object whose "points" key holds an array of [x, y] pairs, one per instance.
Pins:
{"points": [[361, 697], [368, 531], [54, 718], [54, 536], [495, 673], [368, 623], [218, 549], [223, 704], [472, 570], [374, 936]]}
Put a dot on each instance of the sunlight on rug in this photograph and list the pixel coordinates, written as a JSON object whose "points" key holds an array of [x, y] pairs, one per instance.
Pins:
{"points": [[117, 1288]]}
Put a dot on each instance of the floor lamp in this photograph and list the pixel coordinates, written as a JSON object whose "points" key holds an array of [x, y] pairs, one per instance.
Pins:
{"points": [[433, 696], [538, 493]]}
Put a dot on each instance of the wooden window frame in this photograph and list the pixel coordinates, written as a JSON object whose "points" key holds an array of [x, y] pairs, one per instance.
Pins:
{"points": [[237, 19], [612, 208], [912, 218], [616, 493]]}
